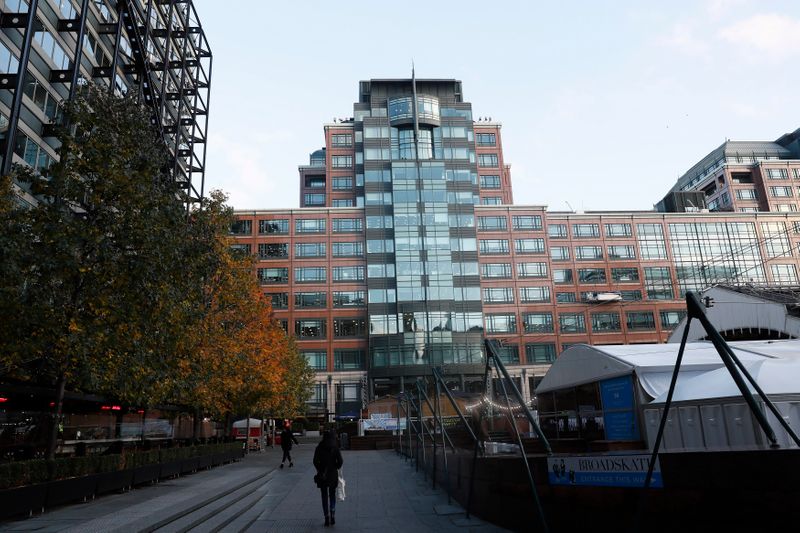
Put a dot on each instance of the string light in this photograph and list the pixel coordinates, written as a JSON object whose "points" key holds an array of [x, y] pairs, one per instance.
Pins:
{"points": [[485, 400]]}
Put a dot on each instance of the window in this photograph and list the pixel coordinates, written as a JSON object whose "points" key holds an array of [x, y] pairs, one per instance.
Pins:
{"points": [[562, 275], [315, 182], [349, 327], [572, 323], [605, 322], [670, 319], [508, 354], [44, 100], [273, 250], [380, 246], [341, 183], [309, 328], [786, 208], [559, 253], [651, 241], [381, 296], [348, 392], [538, 322], [380, 270], [777, 173], [348, 273], [378, 176], [319, 395], [311, 299], [534, 294], [488, 160], [310, 275], [490, 182], [658, 283], [621, 251], [309, 225], [348, 359], [342, 161], [586, 253], [591, 275], [496, 295], [618, 230], [376, 132], [526, 222], [309, 249], [494, 246], [241, 227], [348, 299], [377, 154], [557, 231], [746, 194], [271, 227], [565, 297], [780, 192], [240, 249], [625, 275], [784, 274], [378, 198], [631, 296], [316, 360], [496, 270], [540, 353], [529, 246], [348, 249], [640, 320], [776, 239], [382, 324], [485, 139], [532, 270], [501, 323], [491, 200], [341, 202], [273, 275], [492, 223], [341, 140], [582, 231], [310, 200], [741, 177], [348, 225], [279, 300]]}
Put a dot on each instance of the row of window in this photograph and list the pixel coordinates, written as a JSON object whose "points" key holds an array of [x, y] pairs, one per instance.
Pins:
{"points": [[318, 300], [316, 328], [342, 359], [302, 225], [310, 274], [583, 231], [518, 222], [604, 322], [557, 253]]}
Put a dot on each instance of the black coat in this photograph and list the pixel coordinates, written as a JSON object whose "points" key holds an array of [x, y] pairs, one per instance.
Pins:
{"points": [[286, 439], [327, 461]]}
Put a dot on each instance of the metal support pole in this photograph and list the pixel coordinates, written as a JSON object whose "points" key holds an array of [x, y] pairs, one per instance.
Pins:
{"points": [[430, 406], [540, 511], [440, 378], [16, 103], [491, 352], [444, 450], [112, 82], [477, 443], [422, 433], [76, 69]]}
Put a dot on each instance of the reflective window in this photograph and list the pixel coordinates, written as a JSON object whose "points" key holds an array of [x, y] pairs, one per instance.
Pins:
{"points": [[621, 251], [565, 297], [310, 275], [585, 230], [310, 200], [309, 328], [348, 360], [605, 322], [496, 270], [310, 299], [572, 322], [341, 202], [640, 320], [341, 183], [381, 296], [273, 250], [559, 253], [485, 139], [241, 227], [279, 300], [488, 160], [506, 323], [618, 230], [316, 360], [658, 283], [588, 252], [492, 223], [670, 319], [495, 295], [562, 275], [491, 200], [348, 273], [273, 275], [348, 249], [591, 275], [527, 222], [631, 296], [342, 161], [651, 241], [557, 231], [532, 270], [540, 353], [348, 225], [623, 275], [349, 327], [538, 322], [349, 299], [534, 294], [313, 225], [278, 226], [341, 140], [309, 249], [784, 274], [490, 182], [494, 246], [529, 246]]}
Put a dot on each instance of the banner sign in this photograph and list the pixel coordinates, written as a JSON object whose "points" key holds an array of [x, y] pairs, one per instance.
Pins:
{"points": [[618, 409], [385, 424], [603, 470]]}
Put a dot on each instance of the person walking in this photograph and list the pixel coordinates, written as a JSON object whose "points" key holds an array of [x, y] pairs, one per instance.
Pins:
{"points": [[328, 461], [287, 437]]}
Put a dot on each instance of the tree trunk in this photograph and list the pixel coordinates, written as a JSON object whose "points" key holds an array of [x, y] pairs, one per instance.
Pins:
{"points": [[51, 446]]}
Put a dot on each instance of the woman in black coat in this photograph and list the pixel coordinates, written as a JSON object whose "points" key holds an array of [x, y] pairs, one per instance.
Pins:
{"points": [[328, 461]]}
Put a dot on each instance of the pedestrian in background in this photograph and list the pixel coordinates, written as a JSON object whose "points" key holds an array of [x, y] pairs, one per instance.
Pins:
{"points": [[328, 461], [287, 437]]}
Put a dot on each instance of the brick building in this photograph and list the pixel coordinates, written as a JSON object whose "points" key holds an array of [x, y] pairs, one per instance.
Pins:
{"points": [[408, 250]]}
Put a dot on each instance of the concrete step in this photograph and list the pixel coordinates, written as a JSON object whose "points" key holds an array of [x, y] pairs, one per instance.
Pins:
{"points": [[225, 517]]}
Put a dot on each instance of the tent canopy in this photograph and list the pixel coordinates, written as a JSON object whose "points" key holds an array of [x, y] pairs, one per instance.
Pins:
{"points": [[652, 364], [254, 422]]}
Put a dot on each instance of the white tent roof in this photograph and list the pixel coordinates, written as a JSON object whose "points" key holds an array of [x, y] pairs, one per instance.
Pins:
{"points": [[652, 363], [773, 375], [254, 422]]}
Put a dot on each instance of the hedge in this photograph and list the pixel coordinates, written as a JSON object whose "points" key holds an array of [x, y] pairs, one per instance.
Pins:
{"points": [[20, 473]]}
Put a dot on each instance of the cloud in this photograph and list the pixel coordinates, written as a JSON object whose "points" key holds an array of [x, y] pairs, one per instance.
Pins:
{"points": [[777, 36], [683, 38], [720, 8]]}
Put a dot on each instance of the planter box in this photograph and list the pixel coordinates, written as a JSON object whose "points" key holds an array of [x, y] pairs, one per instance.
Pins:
{"points": [[114, 481], [70, 490], [217, 459], [204, 461], [146, 474], [22, 500], [170, 469], [189, 465]]}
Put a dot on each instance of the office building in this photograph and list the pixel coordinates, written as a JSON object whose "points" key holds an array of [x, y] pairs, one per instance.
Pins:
{"points": [[48, 48], [408, 251]]}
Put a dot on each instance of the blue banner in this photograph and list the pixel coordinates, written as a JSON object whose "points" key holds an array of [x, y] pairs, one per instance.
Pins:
{"points": [[619, 416]]}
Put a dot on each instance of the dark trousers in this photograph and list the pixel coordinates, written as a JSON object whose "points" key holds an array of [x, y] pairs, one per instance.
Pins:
{"points": [[328, 495], [287, 454]]}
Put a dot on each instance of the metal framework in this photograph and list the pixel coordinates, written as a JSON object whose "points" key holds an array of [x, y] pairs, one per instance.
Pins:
{"points": [[155, 47]]}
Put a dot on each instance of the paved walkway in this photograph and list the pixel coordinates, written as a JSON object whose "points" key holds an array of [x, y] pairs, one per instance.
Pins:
{"points": [[383, 494]]}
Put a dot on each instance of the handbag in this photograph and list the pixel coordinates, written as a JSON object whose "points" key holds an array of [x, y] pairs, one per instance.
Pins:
{"points": [[340, 495], [319, 479]]}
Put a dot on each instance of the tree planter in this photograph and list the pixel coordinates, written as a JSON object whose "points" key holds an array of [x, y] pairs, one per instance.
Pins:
{"points": [[145, 474], [114, 481], [204, 461], [189, 465], [22, 500], [217, 459], [70, 490], [170, 469]]}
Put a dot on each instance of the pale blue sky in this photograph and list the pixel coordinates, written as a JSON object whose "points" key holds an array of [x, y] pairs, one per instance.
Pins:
{"points": [[603, 104]]}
